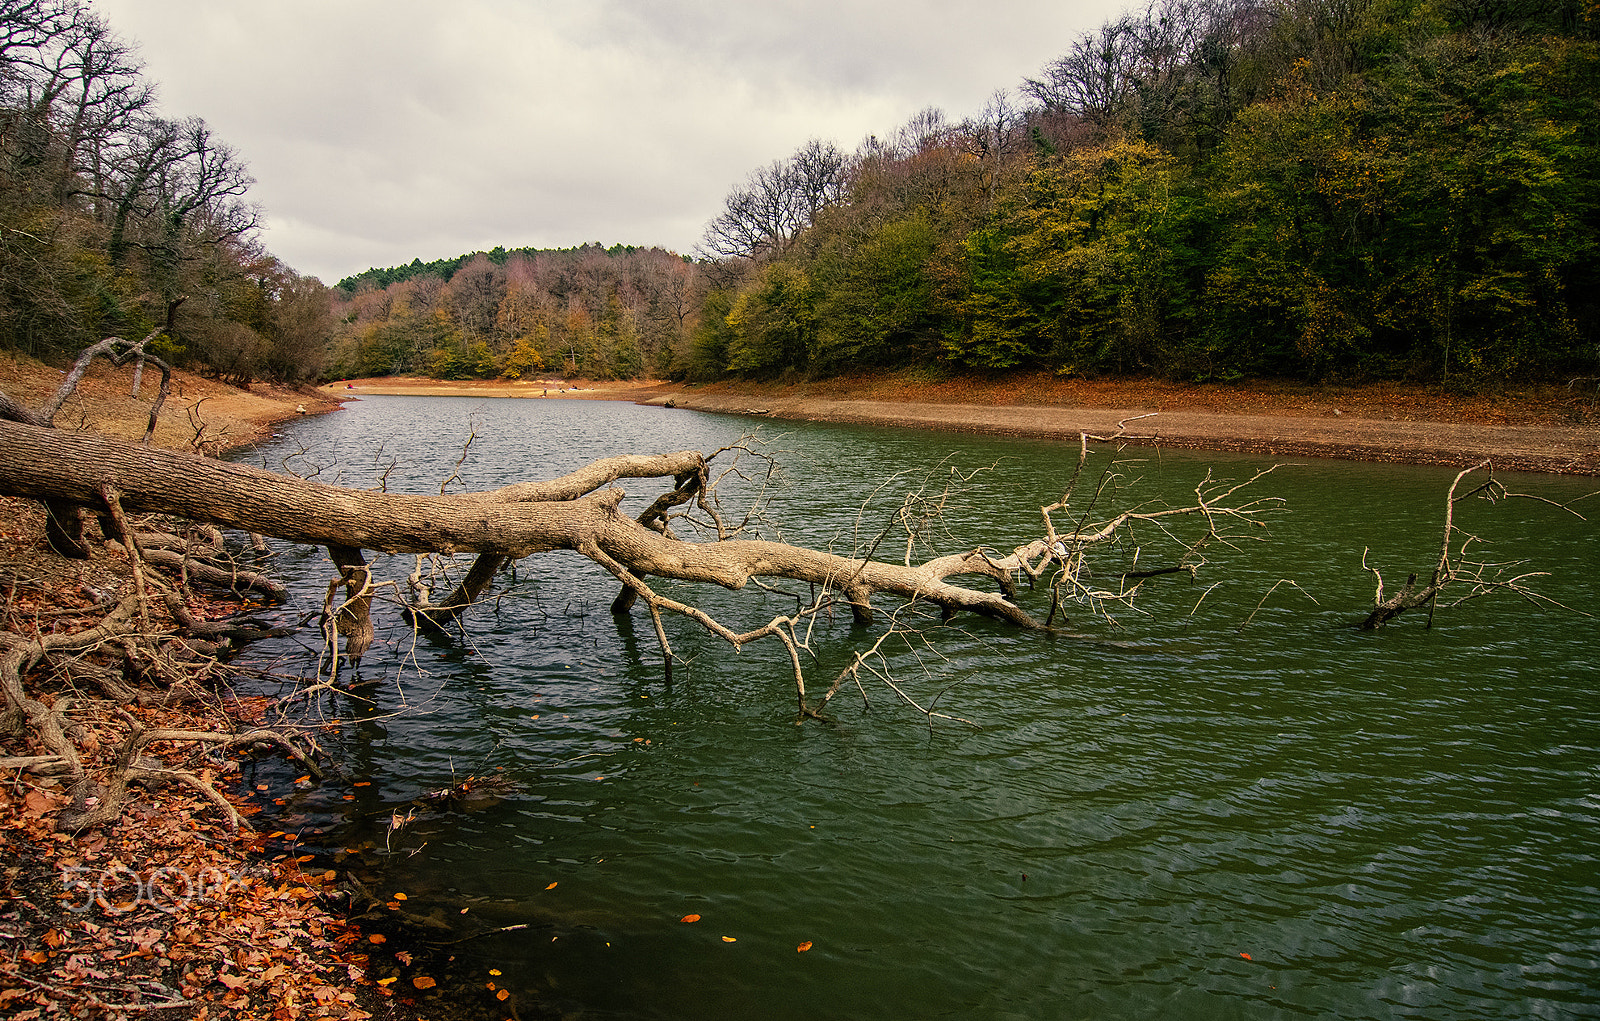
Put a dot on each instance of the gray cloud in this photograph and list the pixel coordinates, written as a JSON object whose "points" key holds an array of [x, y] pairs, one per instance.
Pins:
{"points": [[383, 130]]}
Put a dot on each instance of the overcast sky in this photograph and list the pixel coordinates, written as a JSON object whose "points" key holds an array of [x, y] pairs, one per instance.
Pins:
{"points": [[380, 131]]}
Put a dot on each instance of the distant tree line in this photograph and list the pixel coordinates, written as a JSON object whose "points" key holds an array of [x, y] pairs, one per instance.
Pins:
{"points": [[1207, 189], [111, 214], [592, 312], [446, 268]]}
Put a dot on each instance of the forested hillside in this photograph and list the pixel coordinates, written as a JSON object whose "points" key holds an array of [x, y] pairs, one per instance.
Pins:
{"points": [[603, 313], [1207, 189], [1200, 189], [1203, 189], [114, 216]]}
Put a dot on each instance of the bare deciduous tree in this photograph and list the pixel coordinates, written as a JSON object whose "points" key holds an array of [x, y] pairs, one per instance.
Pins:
{"points": [[776, 202], [1094, 77], [1158, 72], [91, 91], [179, 189]]}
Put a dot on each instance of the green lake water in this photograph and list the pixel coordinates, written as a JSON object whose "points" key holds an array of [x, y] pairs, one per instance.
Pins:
{"points": [[1221, 807]]}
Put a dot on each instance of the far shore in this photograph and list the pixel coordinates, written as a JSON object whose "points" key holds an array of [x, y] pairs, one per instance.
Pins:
{"points": [[1537, 428]]}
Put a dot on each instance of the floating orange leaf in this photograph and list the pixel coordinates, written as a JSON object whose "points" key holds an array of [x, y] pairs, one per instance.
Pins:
{"points": [[391, 980], [690, 918], [1246, 956], [802, 948], [494, 971], [730, 939], [399, 896], [377, 937], [423, 982], [502, 994], [552, 886]]}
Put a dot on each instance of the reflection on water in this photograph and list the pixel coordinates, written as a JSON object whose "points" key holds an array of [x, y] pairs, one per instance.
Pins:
{"points": [[1175, 816]]}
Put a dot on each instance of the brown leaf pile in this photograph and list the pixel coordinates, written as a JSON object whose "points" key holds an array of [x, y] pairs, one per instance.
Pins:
{"points": [[166, 914], [166, 910]]}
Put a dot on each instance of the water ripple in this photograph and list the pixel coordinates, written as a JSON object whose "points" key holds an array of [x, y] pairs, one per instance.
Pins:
{"points": [[1179, 816]]}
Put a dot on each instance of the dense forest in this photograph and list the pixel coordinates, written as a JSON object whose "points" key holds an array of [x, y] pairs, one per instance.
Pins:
{"points": [[1207, 189], [114, 218], [1202, 189]]}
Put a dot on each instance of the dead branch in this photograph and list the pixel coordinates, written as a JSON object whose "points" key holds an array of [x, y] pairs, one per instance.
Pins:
{"points": [[874, 661], [118, 352], [232, 579], [1275, 585], [352, 617], [1457, 566], [1070, 554], [98, 797]]}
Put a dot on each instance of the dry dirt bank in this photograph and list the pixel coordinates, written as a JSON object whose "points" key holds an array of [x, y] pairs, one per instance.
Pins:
{"points": [[1533, 428], [550, 387], [221, 416]]}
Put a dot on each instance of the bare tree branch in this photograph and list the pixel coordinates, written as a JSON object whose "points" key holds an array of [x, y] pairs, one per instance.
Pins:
{"points": [[1456, 565]]}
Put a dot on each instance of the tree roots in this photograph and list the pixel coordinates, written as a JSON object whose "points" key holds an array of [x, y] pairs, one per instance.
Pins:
{"points": [[93, 707]]}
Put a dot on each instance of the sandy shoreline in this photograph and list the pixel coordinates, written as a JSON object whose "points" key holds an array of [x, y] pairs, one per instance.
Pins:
{"points": [[1523, 431]]}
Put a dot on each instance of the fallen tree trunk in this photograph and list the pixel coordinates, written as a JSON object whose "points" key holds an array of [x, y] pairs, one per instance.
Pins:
{"points": [[581, 512], [571, 513]]}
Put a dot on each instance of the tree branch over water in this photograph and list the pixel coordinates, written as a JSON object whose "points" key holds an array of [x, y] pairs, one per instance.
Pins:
{"points": [[581, 512], [1096, 548], [1459, 567]]}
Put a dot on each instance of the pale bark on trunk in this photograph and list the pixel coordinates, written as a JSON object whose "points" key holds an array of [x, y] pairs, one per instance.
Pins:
{"points": [[571, 513]]}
